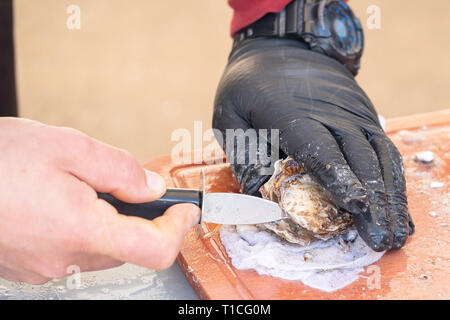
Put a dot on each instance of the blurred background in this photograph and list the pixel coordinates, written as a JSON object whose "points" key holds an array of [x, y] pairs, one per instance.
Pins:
{"points": [[137, 70]]}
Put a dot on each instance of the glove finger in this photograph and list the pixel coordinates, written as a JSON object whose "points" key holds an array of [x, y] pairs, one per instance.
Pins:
{"points": [[395, 185], [241, 145], [310, 143], [374, 225], [411, 225]]}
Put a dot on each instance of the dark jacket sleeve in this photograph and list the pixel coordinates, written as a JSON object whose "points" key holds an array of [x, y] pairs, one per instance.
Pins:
{"points": [[8, 99]]}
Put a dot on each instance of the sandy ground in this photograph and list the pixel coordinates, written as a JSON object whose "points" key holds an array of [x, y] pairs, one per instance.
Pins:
{"points": [[137, 70]]}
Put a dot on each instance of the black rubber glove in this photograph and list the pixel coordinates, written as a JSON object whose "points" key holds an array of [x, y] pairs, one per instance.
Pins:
{"points": [[326, 122]]}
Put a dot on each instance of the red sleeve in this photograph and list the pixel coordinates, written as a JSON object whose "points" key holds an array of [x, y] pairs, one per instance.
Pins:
{"points": [[248, 11]]}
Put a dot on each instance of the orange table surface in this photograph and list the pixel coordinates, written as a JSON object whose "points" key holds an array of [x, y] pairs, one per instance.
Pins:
{"points": [[420, 270]]}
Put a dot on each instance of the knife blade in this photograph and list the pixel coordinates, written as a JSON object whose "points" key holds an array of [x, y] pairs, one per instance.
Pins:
{"points": [[220, 208]]}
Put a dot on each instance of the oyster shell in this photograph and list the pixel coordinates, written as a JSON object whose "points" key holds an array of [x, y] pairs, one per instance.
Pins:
{"points": [[311, 216]]}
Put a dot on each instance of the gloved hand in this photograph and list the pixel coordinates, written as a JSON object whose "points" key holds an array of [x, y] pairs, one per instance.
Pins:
{"points": [[326, 122]]}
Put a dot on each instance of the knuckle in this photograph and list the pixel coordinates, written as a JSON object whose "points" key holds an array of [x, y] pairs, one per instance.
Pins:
{"points": [[74, 135], [84, 143], [74, 143], [129, 167], [131, 164]]}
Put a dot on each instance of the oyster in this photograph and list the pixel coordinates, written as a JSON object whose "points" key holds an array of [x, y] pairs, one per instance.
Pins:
{"points": [[311, 216]]}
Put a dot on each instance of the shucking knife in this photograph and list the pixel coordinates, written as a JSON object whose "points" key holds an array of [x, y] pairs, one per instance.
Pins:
{"points": [[220, 208]]}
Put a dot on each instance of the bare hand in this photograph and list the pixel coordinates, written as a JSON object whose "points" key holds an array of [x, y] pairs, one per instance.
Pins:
{"points": [[51, 218]]}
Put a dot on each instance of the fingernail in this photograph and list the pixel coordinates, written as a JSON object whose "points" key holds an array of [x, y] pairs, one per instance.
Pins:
{"points": [[155, 183]]}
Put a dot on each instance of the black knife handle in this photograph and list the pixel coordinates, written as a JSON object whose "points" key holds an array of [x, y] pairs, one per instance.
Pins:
{"points": [[154, 209]]}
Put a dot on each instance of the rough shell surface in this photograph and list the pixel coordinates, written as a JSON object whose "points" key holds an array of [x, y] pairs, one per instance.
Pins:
{"points": [[311, 216]]}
